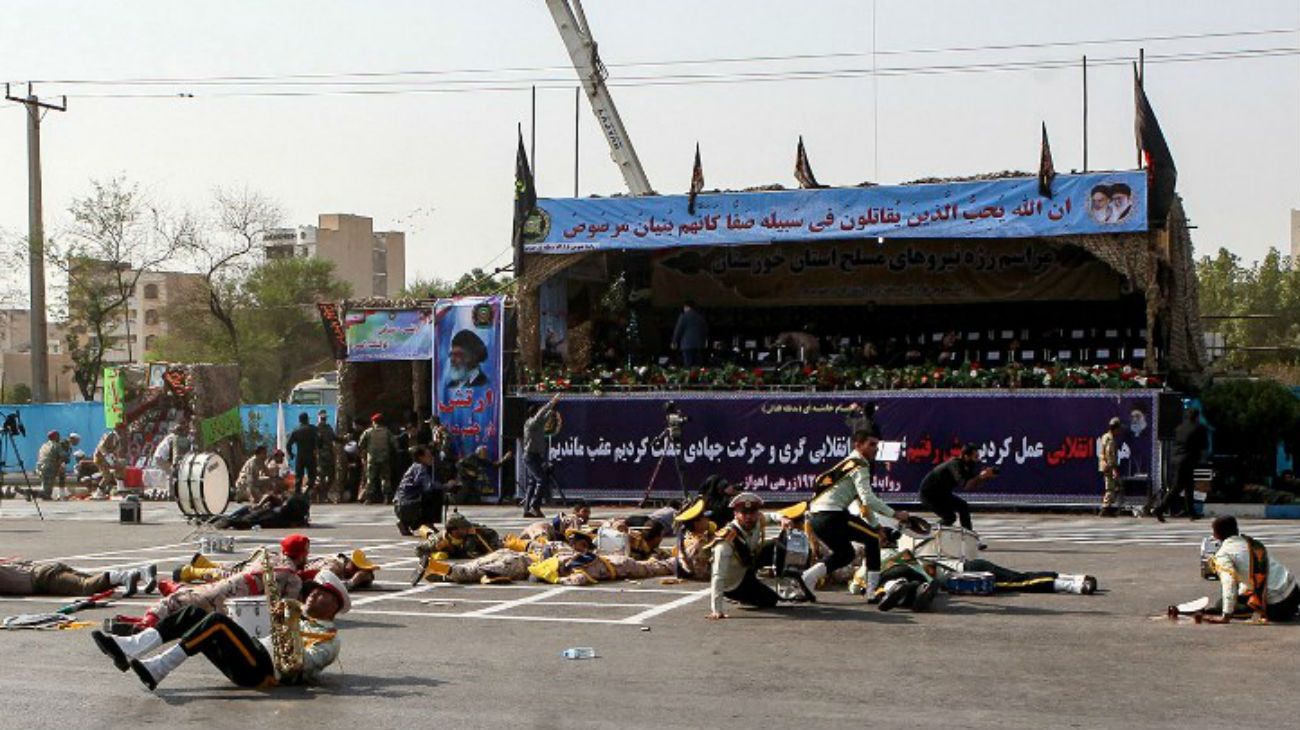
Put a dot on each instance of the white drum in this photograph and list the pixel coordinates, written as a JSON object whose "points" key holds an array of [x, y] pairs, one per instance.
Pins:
{"points": [[202, 485], [251, 614], [953, 542]]}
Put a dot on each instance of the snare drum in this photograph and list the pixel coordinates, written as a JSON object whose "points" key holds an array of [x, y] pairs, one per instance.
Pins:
{"points": [[251, 614], [202, 485], [971, 584], [943, 542]]}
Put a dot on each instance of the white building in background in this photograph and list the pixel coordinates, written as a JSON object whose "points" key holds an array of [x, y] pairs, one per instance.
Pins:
{"points": [[372, 262]]}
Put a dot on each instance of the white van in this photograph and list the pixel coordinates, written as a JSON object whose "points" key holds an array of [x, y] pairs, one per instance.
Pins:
{"points": [[322, 390]]}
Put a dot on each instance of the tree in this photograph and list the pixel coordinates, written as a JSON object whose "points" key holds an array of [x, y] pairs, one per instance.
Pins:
{"points": [[117, 235], [274, 318], [225, 257], [430, 288]]}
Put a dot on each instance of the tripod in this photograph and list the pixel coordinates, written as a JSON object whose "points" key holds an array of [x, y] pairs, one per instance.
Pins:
{"points": [[671, 438], [9, 445], [548, 476]]}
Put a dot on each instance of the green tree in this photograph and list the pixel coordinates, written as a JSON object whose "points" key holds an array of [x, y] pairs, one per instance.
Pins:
{"points": [[278, 330], [117, 235], [430, 288]]}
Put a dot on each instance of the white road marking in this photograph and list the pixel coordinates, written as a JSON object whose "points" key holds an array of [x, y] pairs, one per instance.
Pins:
{"points": [[381, 596], [490, 617], [664, 608], [536, 597]]}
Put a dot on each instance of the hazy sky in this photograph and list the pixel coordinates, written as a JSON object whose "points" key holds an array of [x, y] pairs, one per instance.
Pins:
{"points": [[440, 165]]}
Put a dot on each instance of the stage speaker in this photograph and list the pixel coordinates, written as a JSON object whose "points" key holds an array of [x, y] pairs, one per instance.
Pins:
{"points": [[513, 415], [1169, 414]]}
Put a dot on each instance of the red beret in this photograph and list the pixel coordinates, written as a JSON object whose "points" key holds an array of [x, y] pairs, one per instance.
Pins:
{"points": [[295, 545], [376, 418]]}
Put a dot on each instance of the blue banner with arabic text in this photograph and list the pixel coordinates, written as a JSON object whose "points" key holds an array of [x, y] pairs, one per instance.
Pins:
{"points": [[1093, 203]]}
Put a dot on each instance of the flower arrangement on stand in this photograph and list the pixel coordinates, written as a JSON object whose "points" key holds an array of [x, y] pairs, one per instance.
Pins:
{"points": [[829, 377]]}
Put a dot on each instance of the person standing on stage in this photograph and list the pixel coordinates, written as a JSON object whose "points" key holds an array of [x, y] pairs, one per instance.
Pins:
{"points": [[691, 335], [1190, 443], [938, 487], [1108, 466], [829, 520]]}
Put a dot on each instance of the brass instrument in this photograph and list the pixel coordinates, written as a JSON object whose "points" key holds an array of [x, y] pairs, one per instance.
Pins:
{"points": [[286, 635]]}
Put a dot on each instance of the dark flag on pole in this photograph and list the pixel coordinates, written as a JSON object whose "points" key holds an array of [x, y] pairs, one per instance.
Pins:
{"points": [[697, 181], [525, 202], [803, 170], [1046, 170], [1162, 175]]}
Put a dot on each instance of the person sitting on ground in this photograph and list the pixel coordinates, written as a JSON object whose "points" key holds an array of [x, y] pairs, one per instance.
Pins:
{"points": [[246, 661], [20, 577], [255, 479], [738, 551], [418, 501], [212, 597], [1247, 571], [472, 475]]}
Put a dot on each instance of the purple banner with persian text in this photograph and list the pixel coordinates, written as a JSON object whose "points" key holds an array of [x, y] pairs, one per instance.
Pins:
{"points": [[1045, 442]]}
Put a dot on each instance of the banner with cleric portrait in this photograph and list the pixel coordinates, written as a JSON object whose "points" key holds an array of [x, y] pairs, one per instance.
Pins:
{"points": [[467, 373]]}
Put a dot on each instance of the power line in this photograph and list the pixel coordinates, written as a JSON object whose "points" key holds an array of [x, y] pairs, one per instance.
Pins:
{"points": [[334, 76], [680, 79]]}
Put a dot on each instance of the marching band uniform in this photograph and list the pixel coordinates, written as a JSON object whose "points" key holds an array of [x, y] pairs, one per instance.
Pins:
{"points": [[694, 547], [1245, 569], [246, 661], [736, 557], [830, 521], [212, 597]]}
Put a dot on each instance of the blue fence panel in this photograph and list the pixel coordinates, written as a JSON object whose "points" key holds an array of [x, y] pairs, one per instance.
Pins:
{"points": [[84, 419]]}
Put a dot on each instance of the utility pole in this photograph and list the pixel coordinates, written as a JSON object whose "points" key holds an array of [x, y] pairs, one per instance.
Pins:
{"points": [[36, 240]]}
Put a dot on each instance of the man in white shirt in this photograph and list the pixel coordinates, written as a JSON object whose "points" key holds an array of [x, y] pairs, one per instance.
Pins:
{"points": [[829, 519], [737, 551], [1246, 570]]}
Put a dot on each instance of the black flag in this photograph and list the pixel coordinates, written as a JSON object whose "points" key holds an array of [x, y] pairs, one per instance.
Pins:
{"points": [[1046, 170], [525, 202], [1162, 175], [697, 181], [803, 170]]}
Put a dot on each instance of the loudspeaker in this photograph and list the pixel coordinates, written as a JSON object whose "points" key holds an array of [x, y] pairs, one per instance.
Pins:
{"points": [[513, 415], [1169, 413]]}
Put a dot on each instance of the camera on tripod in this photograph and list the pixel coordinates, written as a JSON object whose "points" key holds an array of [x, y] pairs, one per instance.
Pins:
{"points": [[13, 425], [674, 420]]}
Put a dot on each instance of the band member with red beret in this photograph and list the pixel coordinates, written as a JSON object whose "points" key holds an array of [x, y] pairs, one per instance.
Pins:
{"points": [[246, 661]]}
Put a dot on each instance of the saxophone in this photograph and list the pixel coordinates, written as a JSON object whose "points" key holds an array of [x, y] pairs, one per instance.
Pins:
{"points": [[286, 635]]}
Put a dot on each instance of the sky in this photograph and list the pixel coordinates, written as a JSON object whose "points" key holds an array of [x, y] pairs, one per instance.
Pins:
{"points": [[437, 160]]}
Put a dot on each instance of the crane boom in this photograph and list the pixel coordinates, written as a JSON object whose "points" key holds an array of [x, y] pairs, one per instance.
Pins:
{"points": [[572, 24]]}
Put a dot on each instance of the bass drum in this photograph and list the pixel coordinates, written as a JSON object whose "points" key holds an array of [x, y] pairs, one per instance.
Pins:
{"points": [[202, 485]]}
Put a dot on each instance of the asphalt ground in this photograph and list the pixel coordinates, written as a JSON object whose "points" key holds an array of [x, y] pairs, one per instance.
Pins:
{"points": [[489, 656]]}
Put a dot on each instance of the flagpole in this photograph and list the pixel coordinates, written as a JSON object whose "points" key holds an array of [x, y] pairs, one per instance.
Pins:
{"points": [[1085, 112], [532, 137], [577, 113], [1142, 59]]}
